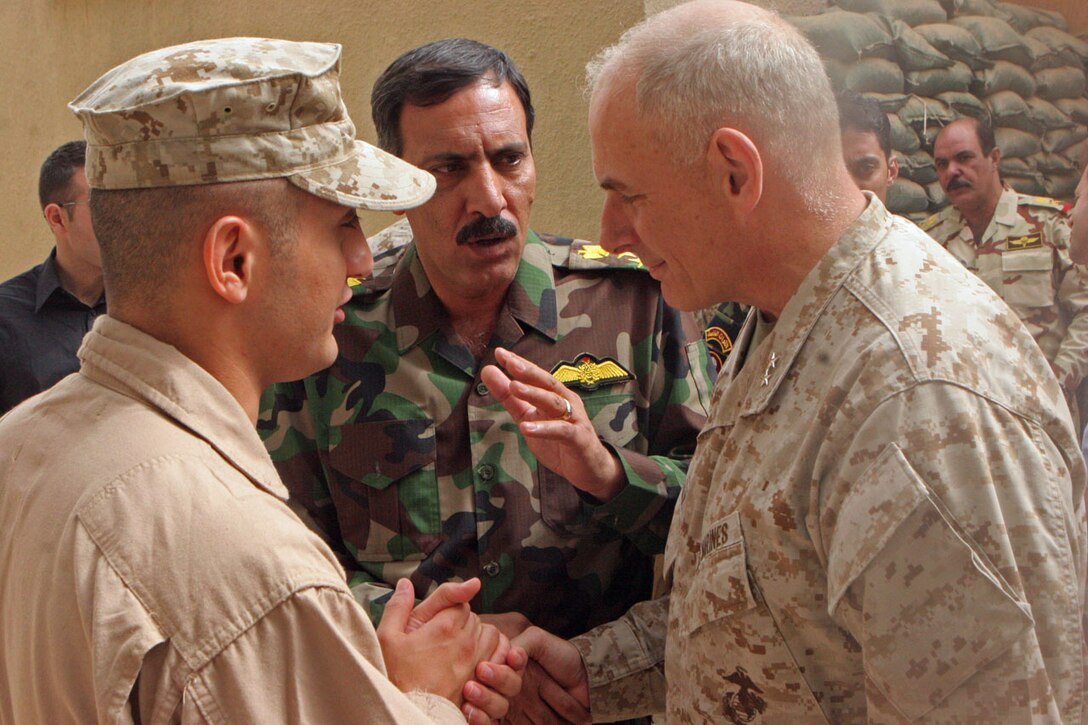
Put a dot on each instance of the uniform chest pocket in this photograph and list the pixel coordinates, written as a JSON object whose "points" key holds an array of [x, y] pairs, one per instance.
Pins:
{"points": [[1027, 277], [723, 619], [385, 488], [720, 587], [614, 418]]}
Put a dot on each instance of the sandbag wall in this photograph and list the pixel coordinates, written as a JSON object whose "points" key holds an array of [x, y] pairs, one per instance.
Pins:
{"points": [[928, 62]]}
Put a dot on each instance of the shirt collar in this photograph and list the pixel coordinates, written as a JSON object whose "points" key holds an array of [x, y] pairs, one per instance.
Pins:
{"points": [[48, 281], [1005, 212], [418, 312], [49, 284], [133, 363]]}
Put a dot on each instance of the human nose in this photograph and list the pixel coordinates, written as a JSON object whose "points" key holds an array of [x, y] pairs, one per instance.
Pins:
{"points": [[617, 234], [485, 196], [357, 256]]}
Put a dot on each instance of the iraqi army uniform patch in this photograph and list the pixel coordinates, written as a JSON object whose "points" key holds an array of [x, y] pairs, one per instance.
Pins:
{"points": [[1044, 201], [1028, 241], [589, 373], [929, 222], [718, 344], [596, 252]]}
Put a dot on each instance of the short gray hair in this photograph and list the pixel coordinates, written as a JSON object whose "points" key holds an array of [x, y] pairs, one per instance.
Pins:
{"points": [[689, 79]]}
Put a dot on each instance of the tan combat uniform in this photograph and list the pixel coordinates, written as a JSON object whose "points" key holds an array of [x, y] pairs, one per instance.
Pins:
{"points": [[248, 619], [1024, 257], [884, 519]]}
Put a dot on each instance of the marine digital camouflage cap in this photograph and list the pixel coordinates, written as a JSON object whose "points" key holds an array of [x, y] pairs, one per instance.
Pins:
{"points": [[238, 109]]}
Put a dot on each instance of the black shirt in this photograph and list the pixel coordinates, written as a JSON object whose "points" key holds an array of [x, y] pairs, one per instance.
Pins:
{"points": [[41, 328]]}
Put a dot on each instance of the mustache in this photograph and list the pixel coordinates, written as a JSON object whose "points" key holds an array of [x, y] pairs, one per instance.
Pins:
{"points": [[486, 226], [959, 184]]}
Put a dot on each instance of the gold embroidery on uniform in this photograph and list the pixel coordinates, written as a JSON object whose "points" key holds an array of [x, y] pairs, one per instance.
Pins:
{"points": [[1028, 241], [596, 251], [589, 373]]}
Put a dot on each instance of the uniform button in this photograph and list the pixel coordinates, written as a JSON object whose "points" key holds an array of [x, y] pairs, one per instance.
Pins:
{"points": [[482, 390], [486, 472], [492, 568]]}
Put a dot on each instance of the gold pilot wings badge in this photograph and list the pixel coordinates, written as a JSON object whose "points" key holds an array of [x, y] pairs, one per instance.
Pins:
{"points": [[1028, 241], [589, 373]]}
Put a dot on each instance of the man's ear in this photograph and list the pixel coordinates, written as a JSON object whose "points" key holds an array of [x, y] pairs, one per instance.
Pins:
{"points": [[893, 168], [230, 253], [56, 217], [995, 155], [737, 166]]}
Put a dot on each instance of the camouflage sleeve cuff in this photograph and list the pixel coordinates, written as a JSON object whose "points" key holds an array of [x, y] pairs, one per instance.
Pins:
{"points": [[644, 505], [624, 663]]}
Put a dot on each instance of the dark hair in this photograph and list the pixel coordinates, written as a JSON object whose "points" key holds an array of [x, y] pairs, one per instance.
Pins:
{"points": [[143, 233], [57, 170], [430, 74], [985, 133], [858, 113]]}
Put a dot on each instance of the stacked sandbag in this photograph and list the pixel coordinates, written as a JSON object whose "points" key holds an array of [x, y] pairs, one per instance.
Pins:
{"points": [[928, 62]]}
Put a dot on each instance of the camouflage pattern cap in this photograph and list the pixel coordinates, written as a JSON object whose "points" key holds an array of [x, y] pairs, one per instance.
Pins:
{"points": [[238, 109]]}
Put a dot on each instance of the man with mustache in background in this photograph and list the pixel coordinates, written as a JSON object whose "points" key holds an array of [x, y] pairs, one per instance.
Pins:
{"points": [[400, 453], [1016, 244]]}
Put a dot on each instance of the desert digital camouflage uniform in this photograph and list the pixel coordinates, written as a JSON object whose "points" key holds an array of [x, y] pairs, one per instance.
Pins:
{"points": [[1024, 257], [884, 519], [410, 467]]}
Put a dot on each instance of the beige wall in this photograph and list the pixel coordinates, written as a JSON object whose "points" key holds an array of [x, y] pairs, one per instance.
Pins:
{"points": [[52, 49]]}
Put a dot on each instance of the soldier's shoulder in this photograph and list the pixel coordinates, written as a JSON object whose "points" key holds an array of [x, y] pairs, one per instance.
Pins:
{"points": [[580, 254], [1041, 202], [934, 220]]}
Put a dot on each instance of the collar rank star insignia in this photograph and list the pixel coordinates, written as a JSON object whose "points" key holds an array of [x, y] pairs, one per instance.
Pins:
{"points": [[770, 366], [1028, 241], [589, 373]]}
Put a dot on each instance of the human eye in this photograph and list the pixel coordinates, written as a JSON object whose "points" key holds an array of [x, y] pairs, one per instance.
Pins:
{"points": [[512, 158], [446, 167]]}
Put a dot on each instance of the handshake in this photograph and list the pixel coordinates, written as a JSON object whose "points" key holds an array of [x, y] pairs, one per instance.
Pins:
{"points": [[495, 667]]}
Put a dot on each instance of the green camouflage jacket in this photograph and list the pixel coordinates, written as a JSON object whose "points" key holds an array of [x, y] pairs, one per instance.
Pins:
{"points": [[1024, 257], [409, 467]]}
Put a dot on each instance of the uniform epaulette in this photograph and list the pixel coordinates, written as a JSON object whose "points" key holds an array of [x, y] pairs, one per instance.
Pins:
{"points": [[929, 222], [1043, 201], [587, 255]]}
